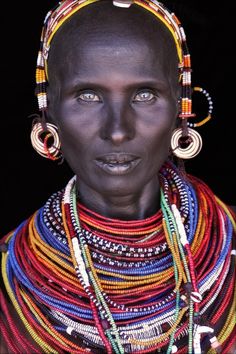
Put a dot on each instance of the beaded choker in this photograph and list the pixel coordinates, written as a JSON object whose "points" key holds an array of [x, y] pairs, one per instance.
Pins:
{"points": [[81, 282]]}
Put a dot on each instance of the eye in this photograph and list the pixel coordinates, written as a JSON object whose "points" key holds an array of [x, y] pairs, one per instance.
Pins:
{"points": [[88, 96], [144, 96]]}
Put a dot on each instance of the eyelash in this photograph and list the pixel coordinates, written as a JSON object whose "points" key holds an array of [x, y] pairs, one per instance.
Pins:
{"points": [[87, 92], [98, 99], [149, 91]]}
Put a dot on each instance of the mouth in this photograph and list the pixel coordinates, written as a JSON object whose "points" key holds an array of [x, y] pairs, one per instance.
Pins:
{"points": [[117, 163]]}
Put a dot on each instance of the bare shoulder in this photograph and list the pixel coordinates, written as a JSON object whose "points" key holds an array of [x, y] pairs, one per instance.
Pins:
{"points": [[9, 309], [233, 349], [233, 207]]}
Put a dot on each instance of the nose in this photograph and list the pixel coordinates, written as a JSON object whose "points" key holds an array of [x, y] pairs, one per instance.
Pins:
{"points": [[119, 123]]}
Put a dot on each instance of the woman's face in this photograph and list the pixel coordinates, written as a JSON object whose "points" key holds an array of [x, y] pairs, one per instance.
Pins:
{"points": [[115, 104]]}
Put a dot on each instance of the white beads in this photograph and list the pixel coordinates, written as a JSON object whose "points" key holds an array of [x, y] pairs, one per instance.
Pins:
{"points": [[192, 149], [38, 142], [196, 297], [122, 3], [69, 330], [174, 349], [180, 226], [79, 260]]}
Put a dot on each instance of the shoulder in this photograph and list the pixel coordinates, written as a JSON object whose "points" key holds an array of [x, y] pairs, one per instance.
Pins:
{"points": [[56, 196], [11, 323], [233, 207], [202, 188]]}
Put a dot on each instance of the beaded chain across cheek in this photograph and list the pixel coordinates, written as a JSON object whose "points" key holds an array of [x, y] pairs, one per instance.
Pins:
{"points": [[164, 283]]}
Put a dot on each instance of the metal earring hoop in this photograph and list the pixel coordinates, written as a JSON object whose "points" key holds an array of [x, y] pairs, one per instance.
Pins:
{"points": [[193, 143], [46, 141]]}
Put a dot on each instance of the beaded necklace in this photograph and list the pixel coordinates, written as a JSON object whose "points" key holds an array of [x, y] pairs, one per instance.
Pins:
{"points": [[81, 282]]}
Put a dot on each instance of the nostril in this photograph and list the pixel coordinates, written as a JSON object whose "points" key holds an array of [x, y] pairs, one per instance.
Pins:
{"points": [[118, 131], [118, 124], [118, 136]]}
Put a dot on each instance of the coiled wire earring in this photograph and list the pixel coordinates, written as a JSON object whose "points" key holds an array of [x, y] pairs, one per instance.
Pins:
{"points": [[186, 142], [186, 147], [46, 140]]}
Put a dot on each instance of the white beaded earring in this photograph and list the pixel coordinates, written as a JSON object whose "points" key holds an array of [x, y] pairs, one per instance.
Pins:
{"points": [[189, 147], [186, 142], [46, 141]]}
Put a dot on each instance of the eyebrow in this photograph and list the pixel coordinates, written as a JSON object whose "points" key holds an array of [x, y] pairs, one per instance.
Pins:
{"points": [[144, 82]]}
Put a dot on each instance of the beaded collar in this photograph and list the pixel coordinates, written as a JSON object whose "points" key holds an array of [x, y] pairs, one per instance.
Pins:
{"points": [[164, 283]]}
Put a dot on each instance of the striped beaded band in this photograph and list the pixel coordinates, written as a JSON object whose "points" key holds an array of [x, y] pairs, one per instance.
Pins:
{"points": [[59, 284], [56, 17]]}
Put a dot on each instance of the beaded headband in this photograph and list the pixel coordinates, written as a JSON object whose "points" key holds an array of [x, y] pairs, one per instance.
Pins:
{"points": [[57, 16]]}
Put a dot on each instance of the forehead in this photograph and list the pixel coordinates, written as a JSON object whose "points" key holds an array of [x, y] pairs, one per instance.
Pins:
{"points": [[102, 19], [103, 14], [113, 66], [101, 34]]}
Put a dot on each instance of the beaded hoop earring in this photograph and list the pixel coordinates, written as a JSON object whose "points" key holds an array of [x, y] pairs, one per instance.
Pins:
{"points": [[186, 147], [186, 143], [67, 8], [210, 108], [46, 141]]}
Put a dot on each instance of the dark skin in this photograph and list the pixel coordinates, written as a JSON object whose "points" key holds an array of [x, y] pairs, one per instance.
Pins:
{"points": [[113, 91], [113, 94]]}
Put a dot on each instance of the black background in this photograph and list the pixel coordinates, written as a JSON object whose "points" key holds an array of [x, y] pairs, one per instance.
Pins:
{"points": [[28, 179]]}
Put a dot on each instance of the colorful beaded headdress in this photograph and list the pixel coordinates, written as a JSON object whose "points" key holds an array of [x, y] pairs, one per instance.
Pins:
{"points": [[56, 17]]}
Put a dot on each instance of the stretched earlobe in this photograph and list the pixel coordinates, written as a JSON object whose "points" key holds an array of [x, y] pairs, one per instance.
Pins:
{"points": [[186, 142], [188, 146], [45, 140]]}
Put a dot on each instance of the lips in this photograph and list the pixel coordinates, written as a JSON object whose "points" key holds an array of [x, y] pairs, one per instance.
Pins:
{"points": [[117, 163]]}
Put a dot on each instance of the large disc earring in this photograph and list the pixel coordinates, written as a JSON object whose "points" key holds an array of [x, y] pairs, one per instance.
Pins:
{"points": [[186, 147], [46, 141]]}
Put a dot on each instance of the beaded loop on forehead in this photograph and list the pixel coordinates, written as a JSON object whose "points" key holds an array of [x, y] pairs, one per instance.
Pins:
{"points": [[56, 17]]}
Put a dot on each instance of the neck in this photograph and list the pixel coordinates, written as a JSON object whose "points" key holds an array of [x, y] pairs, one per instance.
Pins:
{"points": [[126, 207]]}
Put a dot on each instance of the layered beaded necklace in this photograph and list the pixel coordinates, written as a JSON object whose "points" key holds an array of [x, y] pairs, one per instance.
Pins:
{"points": [[82, 282]]}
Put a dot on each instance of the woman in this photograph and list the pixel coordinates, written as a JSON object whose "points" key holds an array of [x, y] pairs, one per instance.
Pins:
{"points": [[134, 255]]}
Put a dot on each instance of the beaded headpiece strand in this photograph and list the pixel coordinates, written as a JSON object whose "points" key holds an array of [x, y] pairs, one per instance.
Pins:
{"points": [[65, 9], [56, 17]]}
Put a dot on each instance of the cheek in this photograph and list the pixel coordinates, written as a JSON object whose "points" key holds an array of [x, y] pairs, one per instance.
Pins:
{"points": [[76, 129], [76, 142], [157, 144], [159, 149], [158, 136]]}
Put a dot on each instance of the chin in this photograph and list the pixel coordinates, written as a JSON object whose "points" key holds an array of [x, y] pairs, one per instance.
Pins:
{"points": [[119, 186]]}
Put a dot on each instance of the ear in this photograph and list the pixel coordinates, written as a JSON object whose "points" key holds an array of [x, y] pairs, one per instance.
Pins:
{"points": [[178, 110], [50, 106], [178, 93], [177, 122]]}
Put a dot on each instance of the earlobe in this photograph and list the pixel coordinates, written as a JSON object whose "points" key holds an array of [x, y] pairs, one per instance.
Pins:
{"points": [[178, 111], [53, 96], [45, 140], [49, 110], [49, 115], [179, 104], [186, 147], [177, 122]]}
